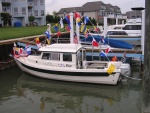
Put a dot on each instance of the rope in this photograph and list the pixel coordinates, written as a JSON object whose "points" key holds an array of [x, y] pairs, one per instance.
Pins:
{"points": [[131, 77]]}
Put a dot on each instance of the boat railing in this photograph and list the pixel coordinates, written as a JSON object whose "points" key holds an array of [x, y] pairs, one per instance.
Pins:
{"points": [[96, 65], [60, 40]]}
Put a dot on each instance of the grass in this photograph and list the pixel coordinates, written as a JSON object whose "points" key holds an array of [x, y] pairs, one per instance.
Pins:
{"points": [[14, 32], [19, 32]]}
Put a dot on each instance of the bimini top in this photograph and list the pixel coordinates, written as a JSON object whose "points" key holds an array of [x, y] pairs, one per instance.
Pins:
{"points": [[69, 48]]}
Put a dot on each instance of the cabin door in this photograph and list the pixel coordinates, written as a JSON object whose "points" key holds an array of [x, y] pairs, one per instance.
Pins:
{"points": [[83, 56], [79, 59]]}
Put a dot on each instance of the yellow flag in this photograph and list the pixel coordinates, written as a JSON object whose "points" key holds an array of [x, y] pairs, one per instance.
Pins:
{"points": [[77, 19], [83, 29], [111, 69], [48, 41]]}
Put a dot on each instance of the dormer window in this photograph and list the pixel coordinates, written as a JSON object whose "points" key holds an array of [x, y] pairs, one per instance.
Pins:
{"points": [[103, 7]]}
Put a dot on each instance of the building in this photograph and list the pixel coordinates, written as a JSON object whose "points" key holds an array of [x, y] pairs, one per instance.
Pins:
{"points": [[134, 14], [96, 10], [20, 10]]}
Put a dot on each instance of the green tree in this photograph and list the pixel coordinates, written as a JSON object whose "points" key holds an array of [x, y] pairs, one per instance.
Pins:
{"points": [[49, 18], [6, 17], [94, 21], [55, 13], [31, 19]]}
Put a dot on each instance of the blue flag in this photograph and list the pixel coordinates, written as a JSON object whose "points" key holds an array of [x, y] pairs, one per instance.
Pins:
{"points": [[86, 20], [56, 27], [47, 34]]}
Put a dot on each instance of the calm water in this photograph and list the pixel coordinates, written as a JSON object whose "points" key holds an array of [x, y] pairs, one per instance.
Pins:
{"points": [[23, 93]]}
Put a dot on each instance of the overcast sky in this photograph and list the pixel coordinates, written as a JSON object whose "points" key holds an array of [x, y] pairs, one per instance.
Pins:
{"points": [[125, 5]]}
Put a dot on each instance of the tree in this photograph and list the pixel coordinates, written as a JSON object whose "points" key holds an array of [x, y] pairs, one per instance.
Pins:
{"points": [[6, 17], [55, 13], [31, 19], [94, 21], [49, 18]]}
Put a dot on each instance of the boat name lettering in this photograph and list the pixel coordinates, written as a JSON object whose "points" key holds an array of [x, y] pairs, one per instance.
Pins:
{"points": [[48, 64], [67, 65]]}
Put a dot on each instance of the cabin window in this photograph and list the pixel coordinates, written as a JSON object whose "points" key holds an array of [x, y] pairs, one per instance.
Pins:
{"points": [[132, 27], [46, 56], [116, 33], [51, 56], [67, 57], [55, 56]]}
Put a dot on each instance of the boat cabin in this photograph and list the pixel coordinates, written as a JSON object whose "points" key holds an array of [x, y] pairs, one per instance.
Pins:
{"points": [[64, 55]]}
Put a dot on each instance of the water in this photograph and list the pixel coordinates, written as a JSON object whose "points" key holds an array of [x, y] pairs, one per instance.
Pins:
{"points": [[24, 93]]}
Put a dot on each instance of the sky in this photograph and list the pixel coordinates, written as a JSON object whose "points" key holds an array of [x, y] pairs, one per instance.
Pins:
{"points": [[125, 5]]}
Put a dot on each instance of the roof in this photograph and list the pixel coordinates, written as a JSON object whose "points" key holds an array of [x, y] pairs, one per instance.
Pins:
{"points": [[109, 8], [68, 10], [93, 6], [117, 9], [69, 48]]}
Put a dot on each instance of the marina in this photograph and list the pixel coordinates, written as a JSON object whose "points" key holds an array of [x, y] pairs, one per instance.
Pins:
{"points": [[79, 70]]}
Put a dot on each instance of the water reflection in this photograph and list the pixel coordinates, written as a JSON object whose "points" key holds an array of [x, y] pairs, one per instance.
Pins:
{"points": [[23, 93]]}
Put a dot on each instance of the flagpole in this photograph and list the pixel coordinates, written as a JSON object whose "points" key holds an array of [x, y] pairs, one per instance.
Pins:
{"points": [[72, 28], [77, 32]]}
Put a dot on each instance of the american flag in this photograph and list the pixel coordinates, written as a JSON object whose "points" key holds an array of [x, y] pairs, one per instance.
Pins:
{"points": [[75, 38]]}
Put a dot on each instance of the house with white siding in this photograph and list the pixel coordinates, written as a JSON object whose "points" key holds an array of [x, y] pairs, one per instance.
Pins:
{"points": [[20, 10], [96, 10]]}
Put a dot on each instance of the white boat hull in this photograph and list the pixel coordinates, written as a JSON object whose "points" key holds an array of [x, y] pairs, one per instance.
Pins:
{"points": [[74, 76]]}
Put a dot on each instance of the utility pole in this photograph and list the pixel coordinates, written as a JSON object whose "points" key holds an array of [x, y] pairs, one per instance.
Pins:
{"points": [[146, 77]]}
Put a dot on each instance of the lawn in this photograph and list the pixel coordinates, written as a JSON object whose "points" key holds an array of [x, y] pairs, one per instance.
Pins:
{"points": [[19, 32]]}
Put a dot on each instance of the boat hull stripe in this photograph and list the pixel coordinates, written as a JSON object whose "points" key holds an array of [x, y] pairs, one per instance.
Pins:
{"points": [[67, 73]]}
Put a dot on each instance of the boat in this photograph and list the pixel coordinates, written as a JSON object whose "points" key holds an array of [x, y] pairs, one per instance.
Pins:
{"points": [[129, 32], [111, 42], [67, 62]]}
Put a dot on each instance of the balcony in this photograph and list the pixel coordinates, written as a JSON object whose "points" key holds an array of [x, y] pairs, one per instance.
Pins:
{"points": [[6, 2], [110, 16]]}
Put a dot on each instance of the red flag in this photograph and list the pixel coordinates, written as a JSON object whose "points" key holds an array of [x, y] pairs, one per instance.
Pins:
{"points": [[86, 35], [67, 28], [77, 15], [58, 33], [107, 50], [37, 40], [94, 43]]}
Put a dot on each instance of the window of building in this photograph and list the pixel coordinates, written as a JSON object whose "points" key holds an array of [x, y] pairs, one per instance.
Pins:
{"points": [[111, 9], [67, 57], [23, 10], [35, 12], [35, 2], [41, 2], [15, 10], [102, 13], [42, 12]]}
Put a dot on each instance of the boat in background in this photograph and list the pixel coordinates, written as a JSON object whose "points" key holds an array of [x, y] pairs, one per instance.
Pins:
{"points": [[129, 32], [111, 42]]}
